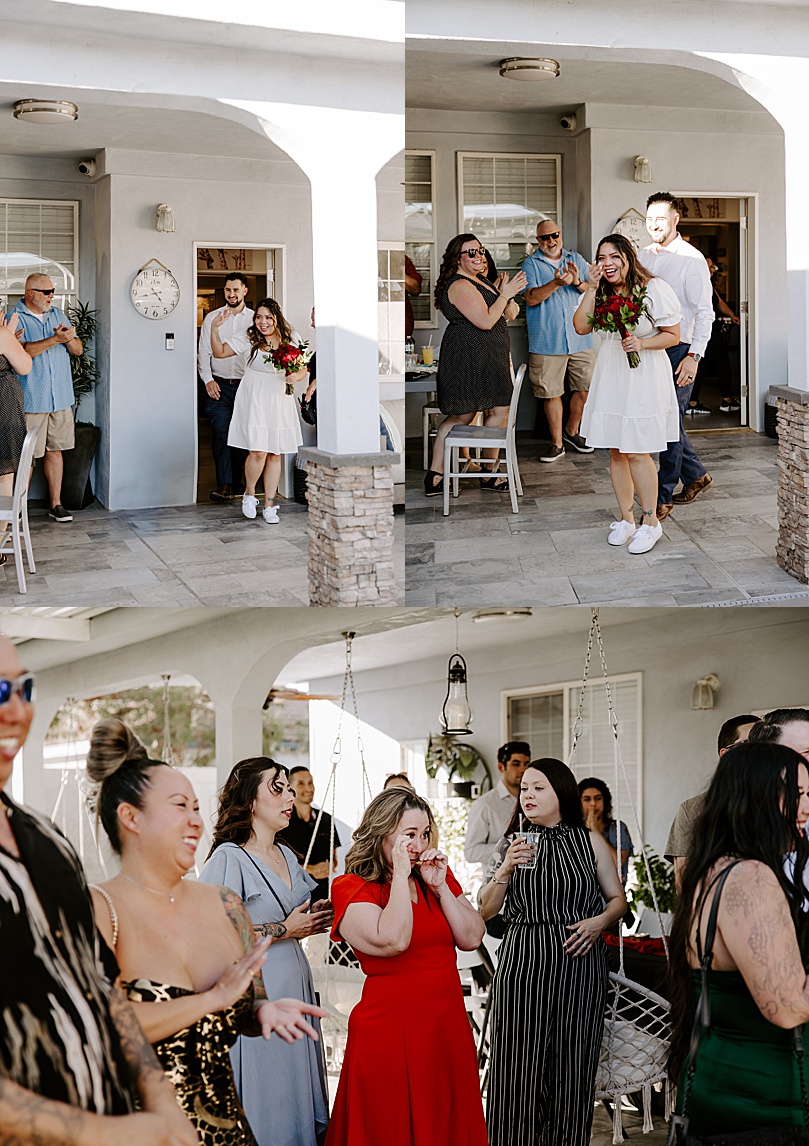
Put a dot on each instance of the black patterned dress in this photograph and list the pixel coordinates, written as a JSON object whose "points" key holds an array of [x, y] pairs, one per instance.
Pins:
{"points": [[197, 1061], [547, 1011], [474, 369], [12, 419]]}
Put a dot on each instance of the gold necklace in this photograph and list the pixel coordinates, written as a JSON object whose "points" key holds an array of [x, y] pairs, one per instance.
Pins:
{"points": [[166, 894]]}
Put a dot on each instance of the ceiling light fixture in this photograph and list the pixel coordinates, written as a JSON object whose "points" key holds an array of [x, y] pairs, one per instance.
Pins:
{"points": [[456, 712], [529, 70], [46, 110], [486, 615]]}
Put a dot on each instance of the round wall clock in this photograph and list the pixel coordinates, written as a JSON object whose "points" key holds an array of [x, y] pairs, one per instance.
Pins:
{"points": [[632, 225], [155, 291]]}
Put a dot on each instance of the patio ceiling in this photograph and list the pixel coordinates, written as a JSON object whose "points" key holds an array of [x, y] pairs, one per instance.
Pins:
{"points": [[463, 76]]}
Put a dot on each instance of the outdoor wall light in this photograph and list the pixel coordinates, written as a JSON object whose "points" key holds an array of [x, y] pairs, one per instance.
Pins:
{"points": [[46, 110], [456, 713], [530, 70], [703, 695], [165, 218], [643, 170]]}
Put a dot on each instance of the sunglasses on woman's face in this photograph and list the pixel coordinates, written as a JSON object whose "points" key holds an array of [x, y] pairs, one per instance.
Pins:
{"points": [[25, 686], [473, 252]]}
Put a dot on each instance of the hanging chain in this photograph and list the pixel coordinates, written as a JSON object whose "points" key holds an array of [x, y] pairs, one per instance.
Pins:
{"points": [[578, 723], [167, 750]]}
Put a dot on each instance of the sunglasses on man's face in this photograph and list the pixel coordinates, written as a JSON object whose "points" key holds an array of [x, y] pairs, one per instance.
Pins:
{"points": [[547, 238], [38, 291], [25, 686], [473, 252]]}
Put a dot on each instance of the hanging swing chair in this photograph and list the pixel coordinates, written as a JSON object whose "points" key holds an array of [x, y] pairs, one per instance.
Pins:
{"points": [[637, 1027], [336, 972]]}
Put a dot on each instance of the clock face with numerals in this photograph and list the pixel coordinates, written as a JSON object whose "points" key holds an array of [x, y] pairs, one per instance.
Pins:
{"points": [[155, 292]]}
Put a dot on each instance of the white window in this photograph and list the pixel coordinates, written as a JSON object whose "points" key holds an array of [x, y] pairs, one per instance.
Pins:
{"points": [[390, 282], [545, 718], [501, 198], [420, 231], [39, 237]]}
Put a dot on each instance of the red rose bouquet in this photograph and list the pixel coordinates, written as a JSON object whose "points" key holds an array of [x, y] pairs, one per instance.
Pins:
{"points": [[620, 314], [290, 358]]}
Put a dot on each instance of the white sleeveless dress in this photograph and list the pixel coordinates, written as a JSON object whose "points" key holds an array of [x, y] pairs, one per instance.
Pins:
{"points": [[635, 411], [265, 417]]}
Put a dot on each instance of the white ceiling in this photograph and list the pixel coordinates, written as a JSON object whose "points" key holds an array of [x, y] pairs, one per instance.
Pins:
{"points": [[114, 120], [464, 76]]}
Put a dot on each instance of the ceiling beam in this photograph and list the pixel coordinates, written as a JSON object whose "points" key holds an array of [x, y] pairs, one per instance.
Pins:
{"points": [[19, 628]]}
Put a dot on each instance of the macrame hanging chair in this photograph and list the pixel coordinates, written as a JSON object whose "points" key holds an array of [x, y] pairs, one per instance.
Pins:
{"points": [[336, 972], [73, 776], [637, 1028]]}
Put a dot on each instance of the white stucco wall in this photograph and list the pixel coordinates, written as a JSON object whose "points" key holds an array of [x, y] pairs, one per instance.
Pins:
{"points": [[759, 657]]}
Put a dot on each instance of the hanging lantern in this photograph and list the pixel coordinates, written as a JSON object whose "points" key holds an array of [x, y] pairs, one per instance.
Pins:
{"points": [[456, 713]]}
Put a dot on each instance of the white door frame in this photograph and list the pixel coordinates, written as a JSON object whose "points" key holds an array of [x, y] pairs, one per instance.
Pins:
{"points": [[748, 260], [278, 293]]}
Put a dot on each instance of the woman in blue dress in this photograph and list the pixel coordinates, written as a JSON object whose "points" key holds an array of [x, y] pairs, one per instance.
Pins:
{"points": [[282, 1086]]}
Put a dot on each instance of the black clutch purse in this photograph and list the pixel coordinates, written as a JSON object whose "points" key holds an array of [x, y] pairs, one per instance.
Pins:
{"points": [[309, 410]]}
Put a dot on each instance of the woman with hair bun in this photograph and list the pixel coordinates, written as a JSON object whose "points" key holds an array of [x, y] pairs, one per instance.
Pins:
{"points": [[254, 805], [410, 1075], [187, 951]]}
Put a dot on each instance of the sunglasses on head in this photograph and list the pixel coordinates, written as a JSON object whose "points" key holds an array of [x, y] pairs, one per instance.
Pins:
{"points": [[25, 686], [547, 238], [473, 251], [38, 291]]}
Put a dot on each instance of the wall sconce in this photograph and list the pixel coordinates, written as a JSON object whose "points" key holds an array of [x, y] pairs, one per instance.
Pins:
{"points": [[643, 171], [165, 218], [703, 695]]}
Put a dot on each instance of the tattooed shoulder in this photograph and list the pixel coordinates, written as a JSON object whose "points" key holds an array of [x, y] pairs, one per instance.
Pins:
{"points": [[237, 914]]}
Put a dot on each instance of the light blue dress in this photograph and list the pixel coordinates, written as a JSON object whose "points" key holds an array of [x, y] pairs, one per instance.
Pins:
{"points": [[282, 1087]]}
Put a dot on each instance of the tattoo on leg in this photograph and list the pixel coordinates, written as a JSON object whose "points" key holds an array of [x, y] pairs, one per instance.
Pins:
{"points": [[647, 513]]}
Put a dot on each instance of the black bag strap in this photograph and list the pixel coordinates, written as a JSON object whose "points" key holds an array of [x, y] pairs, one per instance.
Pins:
{"points": [[702, 1016], [270, 887]]}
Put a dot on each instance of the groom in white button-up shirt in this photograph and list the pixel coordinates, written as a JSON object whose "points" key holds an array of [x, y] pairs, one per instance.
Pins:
{"points": [[684, 268]]}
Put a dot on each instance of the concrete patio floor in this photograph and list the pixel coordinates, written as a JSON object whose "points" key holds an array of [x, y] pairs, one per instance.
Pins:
{"points": [[718, 550], [192, 555]]}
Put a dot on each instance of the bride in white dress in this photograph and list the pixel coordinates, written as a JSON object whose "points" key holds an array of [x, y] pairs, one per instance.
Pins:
{"points": [[631, 412], [265, 418]]}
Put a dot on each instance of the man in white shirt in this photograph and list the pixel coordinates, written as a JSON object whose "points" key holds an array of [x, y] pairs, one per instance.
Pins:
{"points": [[490, 813], [684, 268], [221, 387]]}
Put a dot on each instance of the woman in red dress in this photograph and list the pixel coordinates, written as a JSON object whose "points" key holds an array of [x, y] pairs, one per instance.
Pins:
{"points": [[410, 1074]]}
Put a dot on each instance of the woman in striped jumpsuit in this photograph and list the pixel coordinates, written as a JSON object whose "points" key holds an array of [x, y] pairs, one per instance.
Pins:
{"points": [[549, 992]]}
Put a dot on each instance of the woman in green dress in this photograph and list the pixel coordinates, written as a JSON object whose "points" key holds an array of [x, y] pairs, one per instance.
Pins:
{"points": [[746, 1075]]}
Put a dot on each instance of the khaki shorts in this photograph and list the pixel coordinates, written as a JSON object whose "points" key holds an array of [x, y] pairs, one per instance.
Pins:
{"points": [[547, 372], [55, 430]]}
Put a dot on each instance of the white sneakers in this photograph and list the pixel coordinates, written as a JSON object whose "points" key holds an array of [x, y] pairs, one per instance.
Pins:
{"points": [[250, 509], [620, 532], [646, 537]]}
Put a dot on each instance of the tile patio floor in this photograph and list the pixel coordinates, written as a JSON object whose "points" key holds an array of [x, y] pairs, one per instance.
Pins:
{"points": [[720, 549], [192, 555]]}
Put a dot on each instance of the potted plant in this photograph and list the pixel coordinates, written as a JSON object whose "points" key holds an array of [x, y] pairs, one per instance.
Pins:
{"points": [[77, 492], [461, 762], [639, 890]]}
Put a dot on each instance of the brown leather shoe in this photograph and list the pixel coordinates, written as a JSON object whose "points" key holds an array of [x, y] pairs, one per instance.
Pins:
{"points": [[663, 511], [222, 493], [688, 494]]}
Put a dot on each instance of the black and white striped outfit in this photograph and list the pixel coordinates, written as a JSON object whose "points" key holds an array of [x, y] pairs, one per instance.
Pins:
{"points": [[547, 1006]]}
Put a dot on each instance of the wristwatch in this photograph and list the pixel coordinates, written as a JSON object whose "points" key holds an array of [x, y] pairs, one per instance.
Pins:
{"points": [[696, 357]]}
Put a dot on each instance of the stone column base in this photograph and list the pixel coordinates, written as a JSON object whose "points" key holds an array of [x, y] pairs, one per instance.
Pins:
{"points": [[792, 549], [350, 528]]}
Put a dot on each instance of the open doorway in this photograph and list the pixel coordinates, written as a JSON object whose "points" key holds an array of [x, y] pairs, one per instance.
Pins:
{"points": [[263, 268], [718, 226]]}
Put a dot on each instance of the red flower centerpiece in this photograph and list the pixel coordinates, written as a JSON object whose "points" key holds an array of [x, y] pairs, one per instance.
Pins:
{"points": [[620, 314], [290, 358]]}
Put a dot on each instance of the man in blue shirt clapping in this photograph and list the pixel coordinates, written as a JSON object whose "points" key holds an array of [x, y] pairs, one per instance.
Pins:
{"points": [[556, 278]]}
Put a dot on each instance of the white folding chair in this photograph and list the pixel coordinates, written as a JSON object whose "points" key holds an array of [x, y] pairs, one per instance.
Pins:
{"points": [[488, 437], [15, 509]]}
